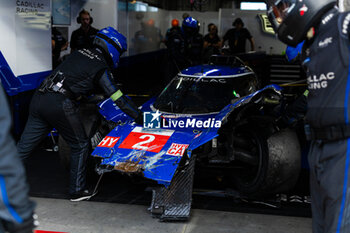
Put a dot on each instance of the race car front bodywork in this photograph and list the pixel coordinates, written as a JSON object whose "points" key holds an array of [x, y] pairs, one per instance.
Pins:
{"points": [[156, 153]]}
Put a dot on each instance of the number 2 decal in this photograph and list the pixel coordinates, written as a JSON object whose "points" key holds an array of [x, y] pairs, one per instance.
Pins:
{"points": [[139, 144], [146, 141]]}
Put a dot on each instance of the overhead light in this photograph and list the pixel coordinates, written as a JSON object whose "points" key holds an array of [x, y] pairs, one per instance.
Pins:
{"points": [[253, 6]]}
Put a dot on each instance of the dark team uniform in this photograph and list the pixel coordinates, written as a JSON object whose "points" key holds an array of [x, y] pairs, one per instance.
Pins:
{"points": [[211, 49], [193, 48], [237, 39], [327, 63], [214, 40], [171, 31], [183, 51], [80, 39], [81, 74]]}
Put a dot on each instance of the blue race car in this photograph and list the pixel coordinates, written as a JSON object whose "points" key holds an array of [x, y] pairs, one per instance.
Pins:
{"points": [[213, 116]]}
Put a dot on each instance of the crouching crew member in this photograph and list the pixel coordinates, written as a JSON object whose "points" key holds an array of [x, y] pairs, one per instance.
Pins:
{"points": [[55, 105]]}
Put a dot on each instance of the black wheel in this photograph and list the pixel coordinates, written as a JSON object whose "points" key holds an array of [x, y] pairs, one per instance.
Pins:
{"points": [[266, 165]]}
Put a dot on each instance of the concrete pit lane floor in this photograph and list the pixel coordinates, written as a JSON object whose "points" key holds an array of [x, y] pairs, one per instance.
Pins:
{"points": [[121, 206], [97, 217]]}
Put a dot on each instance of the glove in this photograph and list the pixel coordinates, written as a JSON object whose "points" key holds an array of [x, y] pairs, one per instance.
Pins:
{"points": [[128, 107]]}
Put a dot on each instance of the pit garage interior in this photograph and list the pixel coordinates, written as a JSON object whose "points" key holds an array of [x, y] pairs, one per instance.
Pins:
{"points": [[126, 202]]}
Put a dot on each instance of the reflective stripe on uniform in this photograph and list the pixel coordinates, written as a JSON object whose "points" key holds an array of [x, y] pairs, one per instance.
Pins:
{"points": [[6, 202]]}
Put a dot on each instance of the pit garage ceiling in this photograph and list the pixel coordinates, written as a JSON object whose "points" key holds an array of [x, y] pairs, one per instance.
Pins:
{"points": [[199, 5]]}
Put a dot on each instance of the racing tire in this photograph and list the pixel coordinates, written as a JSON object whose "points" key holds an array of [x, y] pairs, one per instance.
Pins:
{"points": [[278, 164]]}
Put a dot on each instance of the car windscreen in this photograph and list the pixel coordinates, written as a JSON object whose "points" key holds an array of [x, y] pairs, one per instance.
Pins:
{"points": [[195, 95]]}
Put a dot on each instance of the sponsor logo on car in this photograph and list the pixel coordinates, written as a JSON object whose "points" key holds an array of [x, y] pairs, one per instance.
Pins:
{"points": [[108, 142], [177, 149]]}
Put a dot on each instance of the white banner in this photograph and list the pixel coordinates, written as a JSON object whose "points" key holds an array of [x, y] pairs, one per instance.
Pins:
{"points": [[26, 35]]}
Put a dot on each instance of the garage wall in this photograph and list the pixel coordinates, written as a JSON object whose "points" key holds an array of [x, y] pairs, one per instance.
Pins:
{"points": [[130, 22], [263, 41], [106, 13], [103, 12], [204, 18]]}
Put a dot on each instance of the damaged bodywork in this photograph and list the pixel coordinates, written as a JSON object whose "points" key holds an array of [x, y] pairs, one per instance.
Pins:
{"points": [[245, 142]]}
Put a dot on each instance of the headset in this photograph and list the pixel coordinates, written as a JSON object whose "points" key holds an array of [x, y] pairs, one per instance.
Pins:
{"points": [[83, 11]]}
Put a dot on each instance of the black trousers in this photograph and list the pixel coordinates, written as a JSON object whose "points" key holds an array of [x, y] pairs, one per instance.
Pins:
{"points": [[330, 186], [54, 110]]}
